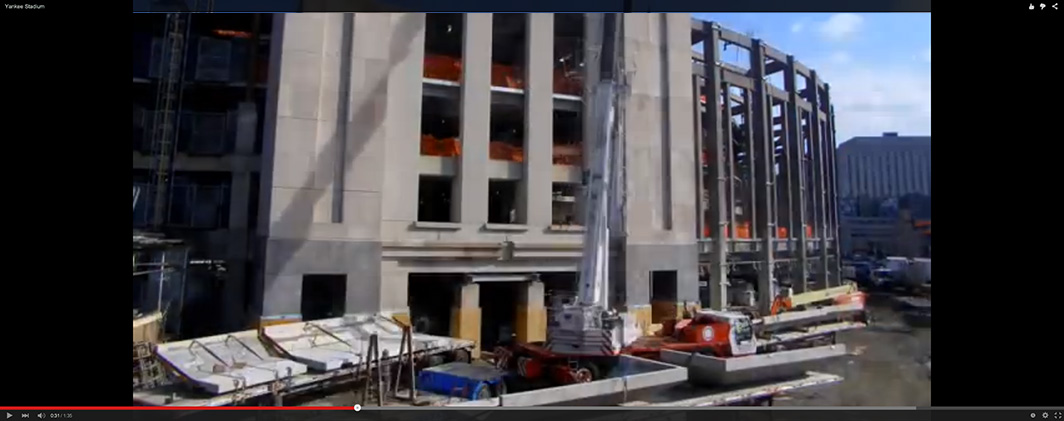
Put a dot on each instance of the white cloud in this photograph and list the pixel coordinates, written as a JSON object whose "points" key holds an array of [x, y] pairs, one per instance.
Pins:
{"points": [[798, 27], [872, 100], [841, 26], [926, 54]]}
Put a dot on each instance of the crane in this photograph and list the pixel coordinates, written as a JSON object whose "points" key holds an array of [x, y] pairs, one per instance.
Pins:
{"points": [[589, 327]]}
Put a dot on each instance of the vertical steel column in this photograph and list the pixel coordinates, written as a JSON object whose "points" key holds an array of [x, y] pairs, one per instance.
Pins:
{"points": [[729, 147], [796, 163], [751, 146], [700, 205], [718, 277], [833, 186], [787, 205], [764, 164], [819, 171]]}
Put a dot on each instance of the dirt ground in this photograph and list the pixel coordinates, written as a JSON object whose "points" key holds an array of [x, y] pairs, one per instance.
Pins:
{"points": [[888, 368]]}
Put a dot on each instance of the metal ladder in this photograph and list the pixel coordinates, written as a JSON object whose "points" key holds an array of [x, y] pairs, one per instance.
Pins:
{"points": [[167, 103]]}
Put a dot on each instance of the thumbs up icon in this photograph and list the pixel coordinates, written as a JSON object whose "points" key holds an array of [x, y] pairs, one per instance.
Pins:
{"points": [[1032, 7]]}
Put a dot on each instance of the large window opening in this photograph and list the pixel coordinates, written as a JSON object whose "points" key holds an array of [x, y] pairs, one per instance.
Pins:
{"points": [[323, 296], [435, 199], [443, 46], [663, 290], [441, 101], [509, 40], [502, 202], [440, 127], [569, 54], [507, 132], [564, 209]]}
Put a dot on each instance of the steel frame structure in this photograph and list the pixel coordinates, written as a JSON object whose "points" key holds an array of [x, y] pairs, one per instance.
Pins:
{"points": [[758, 139]]}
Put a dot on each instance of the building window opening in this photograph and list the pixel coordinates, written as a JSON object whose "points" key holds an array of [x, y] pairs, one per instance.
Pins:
{"points": [[431, 297], [497, 303], [443, 46], [568, 138], [569, 54], [564, 208], [507, 132], [509, 41], [323, 296], [435, 195], [663, 299], [200, 200], [502, 202], [440, 127]]}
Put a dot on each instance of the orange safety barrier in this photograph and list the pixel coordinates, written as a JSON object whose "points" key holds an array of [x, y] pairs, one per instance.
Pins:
{"points": [[568, 155], [743, 231], [443, 67], [502, 151], [506, 76], [568, 82], [449, 147], [708, 233]]}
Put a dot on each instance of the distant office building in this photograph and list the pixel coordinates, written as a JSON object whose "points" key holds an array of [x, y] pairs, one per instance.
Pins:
{"points": [[884, 167]]}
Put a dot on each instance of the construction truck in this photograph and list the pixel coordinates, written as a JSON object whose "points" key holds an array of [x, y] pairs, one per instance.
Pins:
{"points": [[795, 322]]}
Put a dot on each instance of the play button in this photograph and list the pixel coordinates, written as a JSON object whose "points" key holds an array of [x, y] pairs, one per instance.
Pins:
{"points": [[9, 415]]}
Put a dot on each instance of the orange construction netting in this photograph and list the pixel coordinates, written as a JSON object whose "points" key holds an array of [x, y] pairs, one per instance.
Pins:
{"points": [[568, 155], [568, 82], [503, 151], [443, 67], [507, 76], [744, 231], [449, 147]]}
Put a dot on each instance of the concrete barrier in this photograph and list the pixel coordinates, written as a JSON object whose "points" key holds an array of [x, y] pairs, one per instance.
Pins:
{"points": [[705, 370]]}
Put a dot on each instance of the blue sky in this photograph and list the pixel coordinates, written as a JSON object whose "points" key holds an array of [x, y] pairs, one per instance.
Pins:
{"points": [[878, 64]]}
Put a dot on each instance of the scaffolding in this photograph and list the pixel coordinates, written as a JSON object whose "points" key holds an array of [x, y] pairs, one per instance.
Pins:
{"points": [[167, 105]]}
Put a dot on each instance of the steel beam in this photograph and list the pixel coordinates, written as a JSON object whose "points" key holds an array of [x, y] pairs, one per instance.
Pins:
{"points": [[833, 198], [796, 163], [718, 277], [700, 188], [729, 140], [739, 80], [764, 159], [819, 186]]}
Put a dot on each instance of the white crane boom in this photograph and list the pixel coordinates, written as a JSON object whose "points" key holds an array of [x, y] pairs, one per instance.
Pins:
{"points": [[589, 327]]}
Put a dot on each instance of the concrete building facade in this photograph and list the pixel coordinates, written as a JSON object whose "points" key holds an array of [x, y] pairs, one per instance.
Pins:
{"points": [[343, 168], [329, 204]]}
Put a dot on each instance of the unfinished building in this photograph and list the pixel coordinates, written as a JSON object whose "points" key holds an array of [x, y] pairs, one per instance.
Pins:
{"points": [[430, 165], [768, 214]]}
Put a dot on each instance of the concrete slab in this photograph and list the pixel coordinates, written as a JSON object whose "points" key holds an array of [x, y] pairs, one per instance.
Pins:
{"points": [[630, 375], [796, 318], [225, 363], [687, 396], [330, 344], [707, 370]]}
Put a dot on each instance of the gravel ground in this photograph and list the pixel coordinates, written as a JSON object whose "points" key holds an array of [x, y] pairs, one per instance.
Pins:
{"points": [[888, 368]]}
